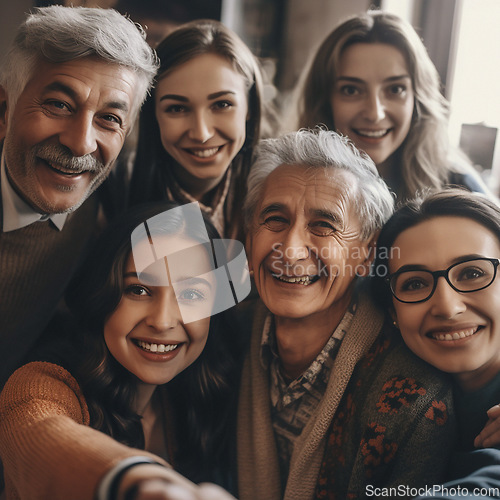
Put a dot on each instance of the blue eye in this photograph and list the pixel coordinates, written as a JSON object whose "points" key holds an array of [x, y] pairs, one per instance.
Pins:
{"points": [[191, 294]]}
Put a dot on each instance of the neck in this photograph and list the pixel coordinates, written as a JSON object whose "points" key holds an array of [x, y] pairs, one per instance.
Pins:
{"points": [[300, 340], [391, 170], [474, 380], [386, 168], [143, 398], [201, 190]]}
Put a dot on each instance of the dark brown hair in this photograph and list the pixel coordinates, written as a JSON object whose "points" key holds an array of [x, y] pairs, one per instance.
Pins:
{"points": [[449, 202]]}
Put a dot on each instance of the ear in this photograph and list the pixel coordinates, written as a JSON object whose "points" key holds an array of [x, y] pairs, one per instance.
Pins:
{"points": [[363, 268], [3, 112]]}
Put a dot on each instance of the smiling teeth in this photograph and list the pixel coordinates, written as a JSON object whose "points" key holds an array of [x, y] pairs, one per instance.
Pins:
{"points": [[204, 153], [462, 334], [301, 280], [156, 347], [373, 133]]}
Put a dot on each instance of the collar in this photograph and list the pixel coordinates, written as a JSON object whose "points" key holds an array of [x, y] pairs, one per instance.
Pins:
{"points": [[16, 212], [268, 344], [215, 211]]}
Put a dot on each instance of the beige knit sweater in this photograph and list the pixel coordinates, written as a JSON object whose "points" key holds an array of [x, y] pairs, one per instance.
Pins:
{"points": [[258, 468], [46, 445]]}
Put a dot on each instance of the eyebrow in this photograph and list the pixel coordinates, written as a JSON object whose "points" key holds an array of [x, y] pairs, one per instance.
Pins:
{"points": [[57, 86], [215, 95], [273, 207], [150, 278], [318, 212], [143, 277], [456, 260], [193, 280], [360, 80], [181, 98]]}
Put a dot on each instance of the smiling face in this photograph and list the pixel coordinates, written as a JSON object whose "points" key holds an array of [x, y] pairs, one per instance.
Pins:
{"points": [[456, 332], [372, 99], [150, 332], [201, 108], [304, 244], [66, 130]]}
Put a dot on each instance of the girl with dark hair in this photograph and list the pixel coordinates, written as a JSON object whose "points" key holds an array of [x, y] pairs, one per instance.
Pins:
{"points": [[147, 366], [199, 127], [452, 323]]}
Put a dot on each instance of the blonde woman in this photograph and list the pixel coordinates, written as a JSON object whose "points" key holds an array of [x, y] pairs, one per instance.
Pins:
{"points": [[372, 80]]}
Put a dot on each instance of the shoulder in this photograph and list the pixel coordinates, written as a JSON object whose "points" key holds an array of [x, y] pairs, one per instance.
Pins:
{"points": [[396, 382], [43, 387]]}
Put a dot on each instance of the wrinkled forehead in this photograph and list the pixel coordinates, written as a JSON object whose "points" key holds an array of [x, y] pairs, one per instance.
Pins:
{"points": [[304, 186]]}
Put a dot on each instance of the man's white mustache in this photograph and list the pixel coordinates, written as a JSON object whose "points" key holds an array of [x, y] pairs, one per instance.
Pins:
{"points": [[61, 156]]}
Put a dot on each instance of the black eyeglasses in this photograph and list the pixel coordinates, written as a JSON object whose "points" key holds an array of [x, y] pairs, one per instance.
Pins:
{"points": [[418, 285]]}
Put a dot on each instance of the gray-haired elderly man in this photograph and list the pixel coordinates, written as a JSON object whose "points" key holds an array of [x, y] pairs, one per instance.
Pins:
{"points": [[70, 89], [332, 402]]}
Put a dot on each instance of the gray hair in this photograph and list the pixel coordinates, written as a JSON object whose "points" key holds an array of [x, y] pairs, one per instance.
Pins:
{"points": [[373, 202], [59, 34]]}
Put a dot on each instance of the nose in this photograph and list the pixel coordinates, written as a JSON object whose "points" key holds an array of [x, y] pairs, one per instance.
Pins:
{"points": [[296, 245], [375, 108], [201, 129], [163, 313], [446, 302], [79, 136]]}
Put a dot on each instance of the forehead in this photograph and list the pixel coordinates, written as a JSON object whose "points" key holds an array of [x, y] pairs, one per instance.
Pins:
{"points": [[87, 79], [381, 58], [183, 258], [437, 242], [299, 188], [206, 71]]}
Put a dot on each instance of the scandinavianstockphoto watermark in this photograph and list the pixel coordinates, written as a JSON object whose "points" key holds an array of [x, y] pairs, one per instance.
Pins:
{"points": [[285, 261], [405, 491]]}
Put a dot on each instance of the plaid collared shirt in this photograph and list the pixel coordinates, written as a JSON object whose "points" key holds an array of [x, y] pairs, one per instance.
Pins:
{"points": [[293, 403]]}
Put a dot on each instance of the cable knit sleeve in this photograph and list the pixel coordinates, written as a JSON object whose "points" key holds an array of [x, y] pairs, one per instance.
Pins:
{"points": [[47, 447]]}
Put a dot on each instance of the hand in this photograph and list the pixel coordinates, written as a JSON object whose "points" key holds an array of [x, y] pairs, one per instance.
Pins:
{"points": [[155, 482], [490, 435], [159, 489]]}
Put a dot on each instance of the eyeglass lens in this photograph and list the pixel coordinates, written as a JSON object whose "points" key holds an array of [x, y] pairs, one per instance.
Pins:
{"points": [[418, 285]]}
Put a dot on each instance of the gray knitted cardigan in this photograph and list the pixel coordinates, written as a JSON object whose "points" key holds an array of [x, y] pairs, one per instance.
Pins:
{"points": [[258, 466]]}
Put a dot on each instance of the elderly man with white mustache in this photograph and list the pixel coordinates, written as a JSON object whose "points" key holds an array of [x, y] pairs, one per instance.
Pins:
{"points": [[70, 88], [332, 403]]}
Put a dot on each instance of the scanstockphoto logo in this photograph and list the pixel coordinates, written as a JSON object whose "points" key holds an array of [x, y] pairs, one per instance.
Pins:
{"points": [[331, 262], [405, 491], [173, 249]]}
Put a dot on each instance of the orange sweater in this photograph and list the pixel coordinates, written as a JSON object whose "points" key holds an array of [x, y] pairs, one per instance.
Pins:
{"points": [[46, 445]]}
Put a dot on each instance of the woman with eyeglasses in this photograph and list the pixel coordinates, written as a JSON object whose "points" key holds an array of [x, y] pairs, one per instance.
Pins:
{"points": [[436, 272]]}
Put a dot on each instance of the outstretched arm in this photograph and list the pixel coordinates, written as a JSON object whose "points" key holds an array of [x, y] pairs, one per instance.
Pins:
{"points": [[49, 450]]}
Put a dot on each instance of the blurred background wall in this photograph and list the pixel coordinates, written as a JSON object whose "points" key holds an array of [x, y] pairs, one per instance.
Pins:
{"points": [[461, 36]]}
